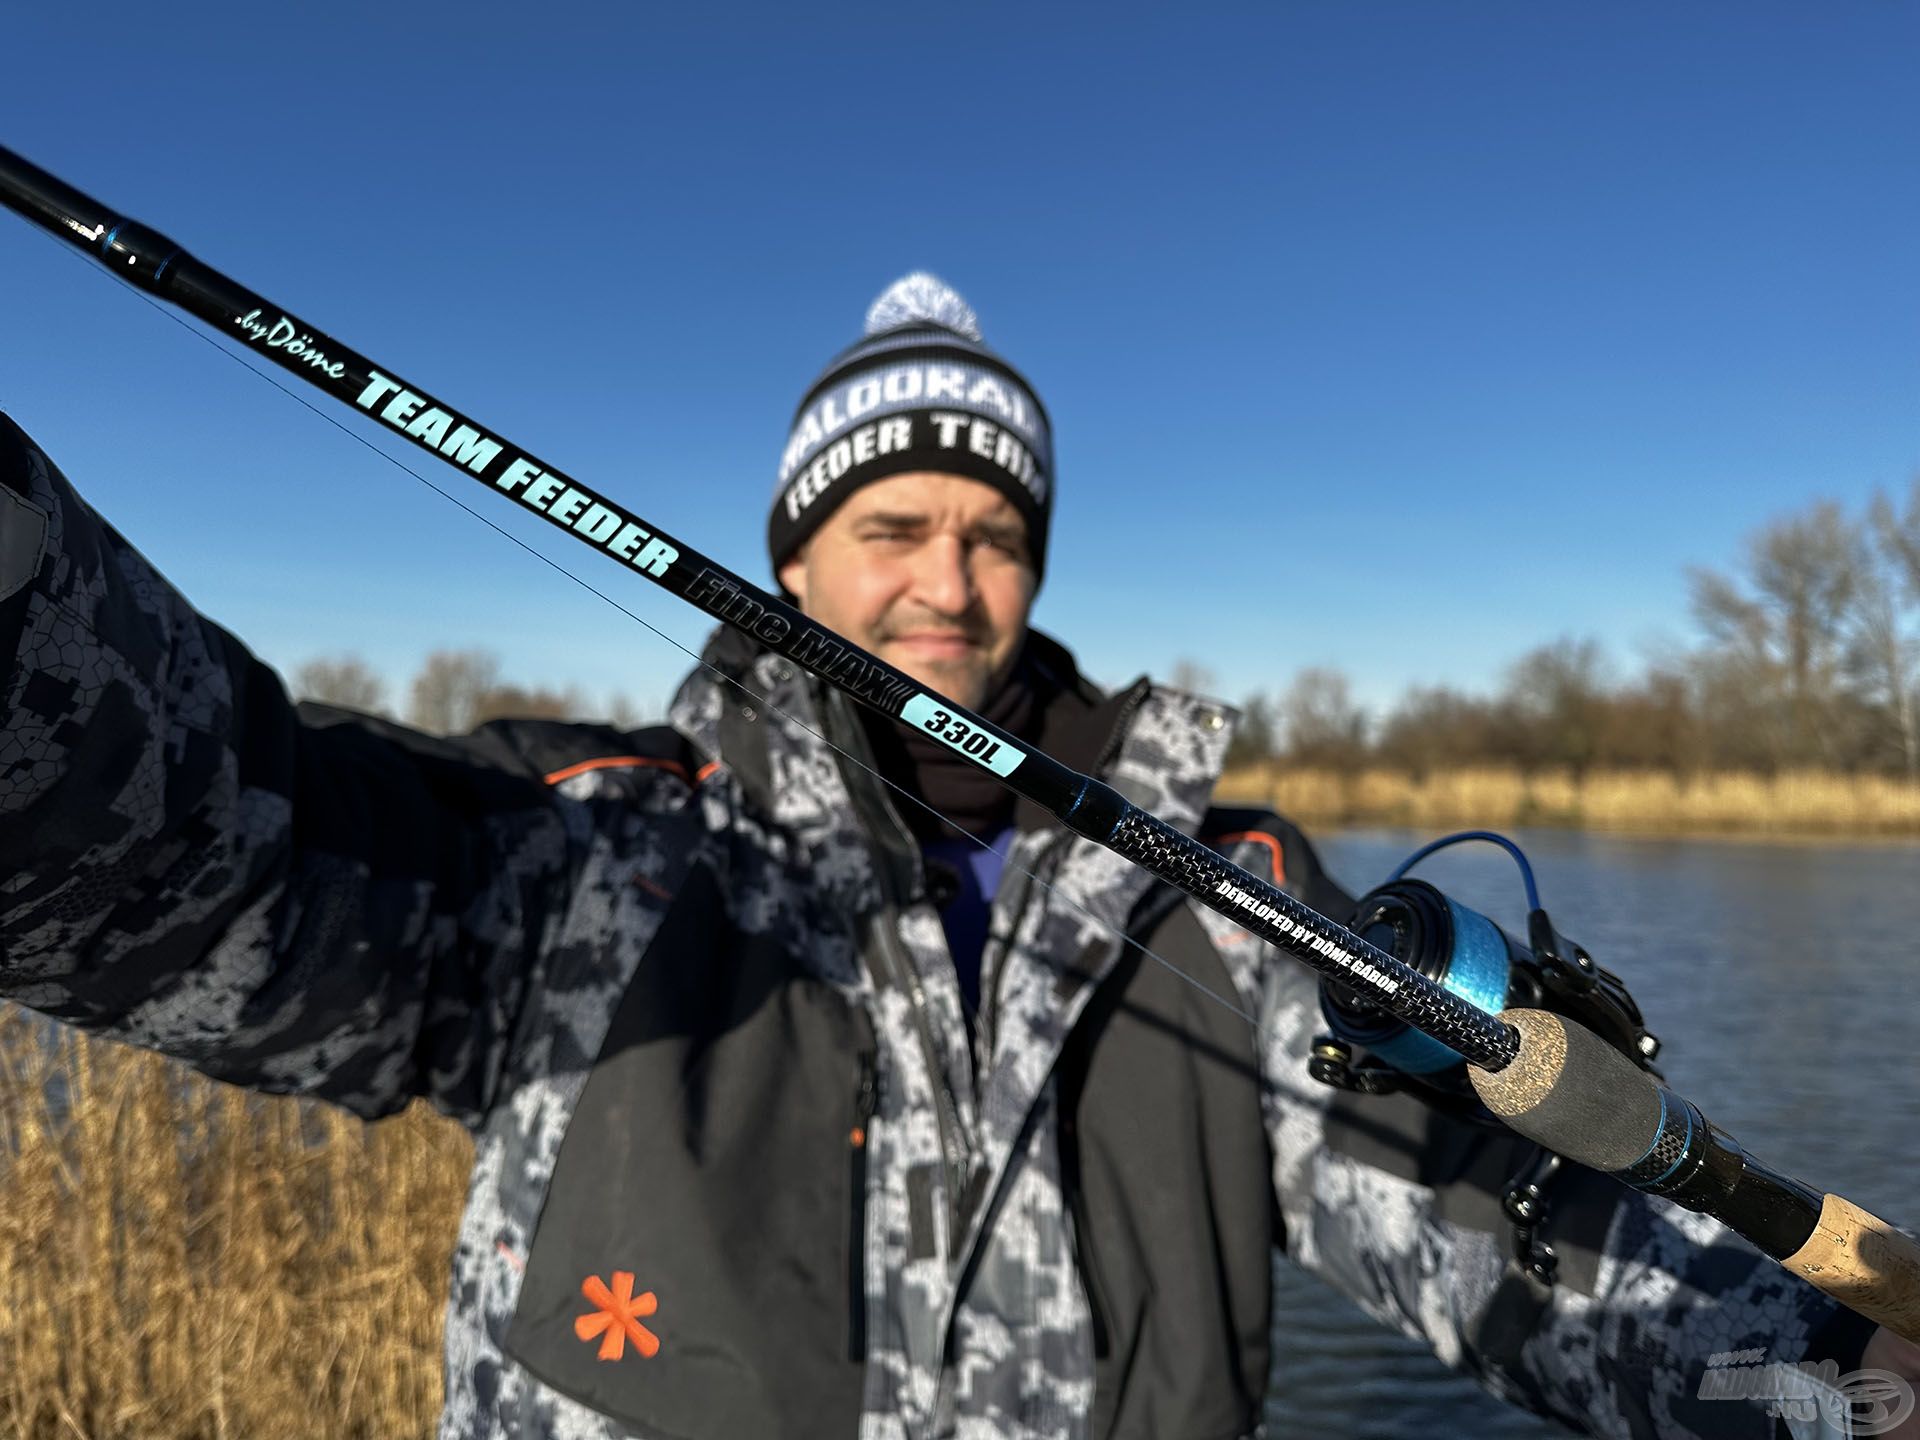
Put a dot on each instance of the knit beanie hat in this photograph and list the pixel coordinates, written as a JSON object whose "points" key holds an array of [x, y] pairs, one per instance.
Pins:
{"points": [[918, 391]]}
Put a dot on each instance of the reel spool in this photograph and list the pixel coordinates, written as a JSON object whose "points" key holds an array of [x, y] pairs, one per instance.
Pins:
{"points": [[1367, 1051]]}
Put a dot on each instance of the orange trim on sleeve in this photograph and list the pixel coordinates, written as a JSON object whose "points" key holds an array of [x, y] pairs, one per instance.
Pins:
{"points": [[1271, 842], [609, 762]]}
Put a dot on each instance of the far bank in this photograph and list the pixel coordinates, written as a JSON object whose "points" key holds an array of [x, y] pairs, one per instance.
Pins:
{"points": [[1803, 803]]}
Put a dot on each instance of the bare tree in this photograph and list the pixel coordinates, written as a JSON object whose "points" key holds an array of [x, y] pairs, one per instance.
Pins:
{"points": [[1782, 632], [1558, 695], [499, 702], [1652, 723], [446, 693], [1805, 570], [1256, 738], [1897, 533], [622, 711], [1324, 726], [1191, 676], [1430, 728], [344, 680], [1883, 656]]}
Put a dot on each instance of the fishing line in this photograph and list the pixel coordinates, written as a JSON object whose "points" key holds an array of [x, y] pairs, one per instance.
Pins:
{"points": [[1549, 1079], [1033, 874], [1084, 804]]}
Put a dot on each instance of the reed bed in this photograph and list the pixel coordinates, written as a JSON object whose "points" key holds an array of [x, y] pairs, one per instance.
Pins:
{"points": [[183, 1260], [1808, 803]]}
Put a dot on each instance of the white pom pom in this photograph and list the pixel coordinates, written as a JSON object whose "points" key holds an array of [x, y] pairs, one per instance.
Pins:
{"points": [[920, 298]]}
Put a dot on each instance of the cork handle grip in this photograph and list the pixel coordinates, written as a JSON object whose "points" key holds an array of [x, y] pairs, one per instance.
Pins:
{"points": [[1865, 1264]]}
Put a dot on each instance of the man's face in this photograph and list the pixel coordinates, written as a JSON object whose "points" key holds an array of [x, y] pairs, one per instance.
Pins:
{"points": [[928, 571]]}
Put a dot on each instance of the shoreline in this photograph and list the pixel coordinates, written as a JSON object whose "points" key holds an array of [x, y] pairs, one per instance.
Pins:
{"points": [[1796, 806], [1833, 838]]}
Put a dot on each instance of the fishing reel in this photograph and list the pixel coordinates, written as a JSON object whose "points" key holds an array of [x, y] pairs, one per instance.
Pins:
{"points": [[1367, 1051]]}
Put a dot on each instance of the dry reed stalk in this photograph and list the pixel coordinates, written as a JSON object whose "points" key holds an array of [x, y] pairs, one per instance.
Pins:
{"points": [[1792, 803], [181, 1260]]}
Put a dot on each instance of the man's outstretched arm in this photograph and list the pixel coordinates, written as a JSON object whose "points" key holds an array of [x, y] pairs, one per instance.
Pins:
{"points": [[348, 910]]}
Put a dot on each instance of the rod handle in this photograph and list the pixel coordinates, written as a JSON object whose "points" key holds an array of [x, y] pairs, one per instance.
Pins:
{"points": [[1574, 1094], [1865, 1264]]}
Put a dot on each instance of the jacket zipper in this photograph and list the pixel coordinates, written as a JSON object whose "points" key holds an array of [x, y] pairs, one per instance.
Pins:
{"points": [[866, 1100], [1083, 1241], [952, 1141], [948, 1122], [1056, 852], [990, 983]]}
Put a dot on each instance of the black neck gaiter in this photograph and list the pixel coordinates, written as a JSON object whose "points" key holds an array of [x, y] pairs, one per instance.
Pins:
{"points": [[969, 797]]}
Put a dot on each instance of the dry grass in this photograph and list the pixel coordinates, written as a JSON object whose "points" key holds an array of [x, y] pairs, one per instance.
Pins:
{"points": [[186, 1261], [1802, 803]]}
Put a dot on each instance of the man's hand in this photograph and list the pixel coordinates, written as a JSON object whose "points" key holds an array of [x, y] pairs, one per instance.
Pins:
{"points": [[1887, 1351]]}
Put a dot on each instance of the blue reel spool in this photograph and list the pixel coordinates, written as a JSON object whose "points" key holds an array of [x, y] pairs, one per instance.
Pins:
{"points": [[1459, 948]]}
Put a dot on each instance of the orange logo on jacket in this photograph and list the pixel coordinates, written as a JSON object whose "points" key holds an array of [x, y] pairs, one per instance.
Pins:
{"points": [[616, 1320]]}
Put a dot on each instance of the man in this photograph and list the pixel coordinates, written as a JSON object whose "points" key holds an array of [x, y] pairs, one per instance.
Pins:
{"points": [[815, 1089]]}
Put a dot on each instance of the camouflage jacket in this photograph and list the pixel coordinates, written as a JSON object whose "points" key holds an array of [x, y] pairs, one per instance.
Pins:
{"points": [[741, 1167]]}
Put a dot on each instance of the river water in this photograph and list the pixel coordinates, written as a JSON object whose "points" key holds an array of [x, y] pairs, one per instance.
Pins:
{"points": [[1784, 980]]}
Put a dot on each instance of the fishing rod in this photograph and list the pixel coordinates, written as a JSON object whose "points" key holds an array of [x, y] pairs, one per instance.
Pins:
{"points": [[1548, 1078]]}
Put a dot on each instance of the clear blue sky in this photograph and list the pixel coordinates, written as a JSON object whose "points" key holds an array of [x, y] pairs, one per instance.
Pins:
{"points": [[1397, 336]]}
